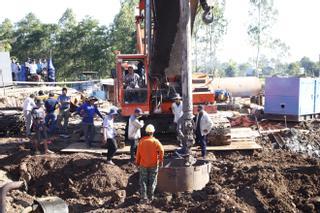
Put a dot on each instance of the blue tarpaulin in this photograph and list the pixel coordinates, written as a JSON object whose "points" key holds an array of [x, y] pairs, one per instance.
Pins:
{"points": [[51, 71]]}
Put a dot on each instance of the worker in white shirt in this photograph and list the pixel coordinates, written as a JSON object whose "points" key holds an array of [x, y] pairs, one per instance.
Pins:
{"points": [[109, 134], [134, 131], [33, 68], [28, 106], [177, 112], [176, 108]]}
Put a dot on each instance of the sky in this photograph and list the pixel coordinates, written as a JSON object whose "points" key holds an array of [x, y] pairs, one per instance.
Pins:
{"points": [[297, 24]]}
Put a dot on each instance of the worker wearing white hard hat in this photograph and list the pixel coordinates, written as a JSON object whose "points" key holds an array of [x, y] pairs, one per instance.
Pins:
{"points": [[149, 157]]}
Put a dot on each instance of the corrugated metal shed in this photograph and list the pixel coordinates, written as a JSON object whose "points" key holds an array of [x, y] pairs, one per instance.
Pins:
{"points": [[5, 69]]}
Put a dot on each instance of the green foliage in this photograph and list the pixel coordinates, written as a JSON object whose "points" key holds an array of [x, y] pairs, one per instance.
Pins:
{"points": [[293, 69], [231, 70], [6, 34], [122, 31], [75, 46], [311, 68]]}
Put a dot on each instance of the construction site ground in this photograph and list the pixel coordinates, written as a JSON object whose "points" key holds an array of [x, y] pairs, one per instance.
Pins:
{"points": [[272, 179]]}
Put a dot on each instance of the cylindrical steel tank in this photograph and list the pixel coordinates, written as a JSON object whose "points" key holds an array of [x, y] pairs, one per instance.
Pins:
{"points": [[238, 86], [176, 177]]}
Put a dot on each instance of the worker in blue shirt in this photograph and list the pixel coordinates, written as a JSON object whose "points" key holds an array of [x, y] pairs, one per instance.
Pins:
{"points": [[51, 105], [87, 111]]}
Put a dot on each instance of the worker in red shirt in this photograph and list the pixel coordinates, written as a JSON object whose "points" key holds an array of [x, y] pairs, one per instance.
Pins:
{"points": [[149, 158]]}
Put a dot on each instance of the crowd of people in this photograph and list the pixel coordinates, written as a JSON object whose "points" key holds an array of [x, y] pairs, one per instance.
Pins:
{"points": [[31, 70], [40, 115], [146, 152]]}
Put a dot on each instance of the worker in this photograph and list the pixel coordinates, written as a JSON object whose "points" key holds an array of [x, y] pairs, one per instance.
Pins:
{"points": [[203, 127], [131, 79], [109, 134], [149, 158], [51, 105], [64, 110], [38, 114], [87, 111], [41, 96], [176, 108], [28, 105], [134, 131], [177, 111]]}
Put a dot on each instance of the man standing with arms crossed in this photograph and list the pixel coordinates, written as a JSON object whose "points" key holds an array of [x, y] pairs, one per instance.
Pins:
{"points": [[149, 158]]}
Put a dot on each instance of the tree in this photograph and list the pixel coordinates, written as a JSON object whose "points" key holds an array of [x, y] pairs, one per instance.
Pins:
{"points": [[263, 16], [231, 69], [310, 67], [243, 68], [67, 20], [294, 69], [122, 31], [75, 46], [6, 35]]}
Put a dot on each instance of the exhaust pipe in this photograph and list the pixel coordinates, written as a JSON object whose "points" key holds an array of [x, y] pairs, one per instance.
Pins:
{"points": [[4, 190]]}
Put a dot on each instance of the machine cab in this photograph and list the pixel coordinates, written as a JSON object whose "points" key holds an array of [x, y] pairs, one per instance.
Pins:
{"points": [[132, 88]]}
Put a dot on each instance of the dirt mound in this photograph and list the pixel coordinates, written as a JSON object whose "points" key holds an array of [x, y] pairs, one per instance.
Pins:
{"points": [[80, 177]]}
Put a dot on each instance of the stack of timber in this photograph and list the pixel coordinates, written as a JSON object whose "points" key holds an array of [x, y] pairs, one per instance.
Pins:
{"points": [[11, 121]]}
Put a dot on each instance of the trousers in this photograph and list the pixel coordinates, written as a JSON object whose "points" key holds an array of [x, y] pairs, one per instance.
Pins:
{"points": [[202, 141], [88, 131], [148, 181]]}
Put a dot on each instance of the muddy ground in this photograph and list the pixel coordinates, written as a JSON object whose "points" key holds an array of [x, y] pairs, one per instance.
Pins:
{"points": [[268, 180]]}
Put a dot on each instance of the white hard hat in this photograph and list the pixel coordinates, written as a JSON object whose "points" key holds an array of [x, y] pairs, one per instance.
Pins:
{"points": [[150, 128]]}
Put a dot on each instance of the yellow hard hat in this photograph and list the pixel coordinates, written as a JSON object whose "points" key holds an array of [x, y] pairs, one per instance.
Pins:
{"points": [[150, 128]]}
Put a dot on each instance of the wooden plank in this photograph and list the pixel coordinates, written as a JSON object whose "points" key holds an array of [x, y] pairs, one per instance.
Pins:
{"points": [[239, 145], [82, 147], [235, 146]]}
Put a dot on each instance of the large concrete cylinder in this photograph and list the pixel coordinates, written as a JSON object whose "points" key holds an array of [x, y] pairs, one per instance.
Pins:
{"points": [[176, 177], [238, 86]]}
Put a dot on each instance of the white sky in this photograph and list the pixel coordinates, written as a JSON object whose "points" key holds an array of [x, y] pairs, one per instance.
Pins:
{"points": [[298, 22]]}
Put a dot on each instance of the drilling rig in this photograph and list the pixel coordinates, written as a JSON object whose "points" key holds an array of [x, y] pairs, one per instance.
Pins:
{"points": [[160, 62]]}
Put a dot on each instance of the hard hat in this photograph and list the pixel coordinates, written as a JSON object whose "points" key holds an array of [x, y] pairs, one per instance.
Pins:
{"points": [[150, 128], [92, 98], [177, 96], [113, 111]]}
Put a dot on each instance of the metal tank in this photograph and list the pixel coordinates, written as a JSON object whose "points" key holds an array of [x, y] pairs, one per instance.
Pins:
{"points": [[176, 177], [238, 86]]}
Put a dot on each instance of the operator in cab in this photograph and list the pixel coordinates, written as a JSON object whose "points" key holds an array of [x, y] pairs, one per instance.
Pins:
{"points": [[131, 82], [131, 79]]}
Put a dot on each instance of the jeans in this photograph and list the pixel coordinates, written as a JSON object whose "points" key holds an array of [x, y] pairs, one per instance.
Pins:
{"points": [[112, 147], [28, 121], [89, 131], [64, 115], [148, 182], [51, 122], [202, 141], [133, 148]]}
